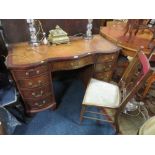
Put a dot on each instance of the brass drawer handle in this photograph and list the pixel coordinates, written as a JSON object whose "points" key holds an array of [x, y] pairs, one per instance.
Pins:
{"points": [[37, 104], [72, 64], [39, 84], [30, 83], [33, 94], [37, 95], [44, 101], [28, 72], [32, 70], [37, 72], [112, 57]]}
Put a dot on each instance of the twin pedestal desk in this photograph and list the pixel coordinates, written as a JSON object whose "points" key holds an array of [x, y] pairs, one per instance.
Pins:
{"points": [[32, 67]]}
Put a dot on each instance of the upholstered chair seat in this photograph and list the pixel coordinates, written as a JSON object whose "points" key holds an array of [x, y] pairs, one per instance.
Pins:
{"points": [[108, 95]]}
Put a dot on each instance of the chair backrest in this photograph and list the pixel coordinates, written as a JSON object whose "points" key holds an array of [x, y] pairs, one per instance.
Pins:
{"points": [[134, 77]]}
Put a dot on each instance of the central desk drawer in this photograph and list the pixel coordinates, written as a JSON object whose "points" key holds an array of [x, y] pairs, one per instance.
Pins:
{"points": [[19, 74], [34, 82], [72, 64], [36, 93]]}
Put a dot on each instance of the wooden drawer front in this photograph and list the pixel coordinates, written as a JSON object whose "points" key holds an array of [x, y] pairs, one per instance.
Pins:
{"points": [[72, 64], [19, 74], [34, 82], [105, 76], [36, 92], [106, 58], [41, 103], [104, 67]]}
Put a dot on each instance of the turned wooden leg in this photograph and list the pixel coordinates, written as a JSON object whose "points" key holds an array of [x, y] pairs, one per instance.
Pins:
{"points": [[130, 35], [116, 122], [126, 30], [136, 31]]}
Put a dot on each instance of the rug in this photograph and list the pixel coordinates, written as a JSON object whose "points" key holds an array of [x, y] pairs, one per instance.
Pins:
{"points": [[65, 119]]}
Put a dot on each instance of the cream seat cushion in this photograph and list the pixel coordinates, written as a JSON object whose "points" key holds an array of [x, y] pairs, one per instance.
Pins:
{"points": [[101, 93]]}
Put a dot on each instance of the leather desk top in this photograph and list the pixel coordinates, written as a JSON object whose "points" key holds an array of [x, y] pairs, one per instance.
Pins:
{"points": [[23, 55]]}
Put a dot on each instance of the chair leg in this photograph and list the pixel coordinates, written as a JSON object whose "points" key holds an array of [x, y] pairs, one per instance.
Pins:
{"points": [[82, 112], [116, 124], [117, 127]]}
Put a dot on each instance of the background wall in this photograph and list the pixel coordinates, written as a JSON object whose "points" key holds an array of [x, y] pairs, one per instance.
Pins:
{"points": [[16, 30]]}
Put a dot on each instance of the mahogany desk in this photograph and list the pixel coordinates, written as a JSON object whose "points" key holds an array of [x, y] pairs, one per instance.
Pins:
{"points": [[32, 67]]}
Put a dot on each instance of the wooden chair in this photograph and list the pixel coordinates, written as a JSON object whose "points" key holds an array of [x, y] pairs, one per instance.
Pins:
{"points": [[111, 97], [133, 26]]}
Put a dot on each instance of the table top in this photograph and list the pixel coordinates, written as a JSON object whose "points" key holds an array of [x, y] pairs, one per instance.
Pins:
{"points": [[22, 54], [114, 32]]}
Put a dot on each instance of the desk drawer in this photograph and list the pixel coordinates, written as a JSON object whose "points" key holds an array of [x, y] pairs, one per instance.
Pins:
{"points": [[19, 74], [41, 103], [104, 67], [72, 64], [105, 76], [36, 93], [34, 81], [106, 58]]}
